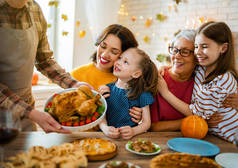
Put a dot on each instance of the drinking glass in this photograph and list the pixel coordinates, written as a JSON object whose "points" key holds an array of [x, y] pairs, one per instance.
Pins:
{"points": [[9, 128]]}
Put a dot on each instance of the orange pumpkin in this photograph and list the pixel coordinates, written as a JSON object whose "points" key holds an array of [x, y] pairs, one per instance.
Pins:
{"points": [[35, 79], [194, 127]]}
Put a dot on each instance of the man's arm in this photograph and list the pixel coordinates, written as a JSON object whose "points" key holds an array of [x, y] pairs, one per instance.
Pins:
{"points": [[19, 107], [8, 99]]}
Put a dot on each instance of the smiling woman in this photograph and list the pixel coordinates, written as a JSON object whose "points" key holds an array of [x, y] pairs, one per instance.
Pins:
{"points": [[180, 80], [110, 44]]}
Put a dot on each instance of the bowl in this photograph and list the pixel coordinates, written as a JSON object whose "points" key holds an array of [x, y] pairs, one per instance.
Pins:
{"points": [[86, 126]]}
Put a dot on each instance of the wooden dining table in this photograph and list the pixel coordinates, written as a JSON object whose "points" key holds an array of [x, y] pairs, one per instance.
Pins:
{"points": [[27, 139]]}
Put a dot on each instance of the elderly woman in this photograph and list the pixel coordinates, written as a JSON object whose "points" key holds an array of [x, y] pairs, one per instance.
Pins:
{"points": [[180, 80]]}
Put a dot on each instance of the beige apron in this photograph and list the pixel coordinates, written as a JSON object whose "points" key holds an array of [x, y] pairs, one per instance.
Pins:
{"points": [[18, 50]]}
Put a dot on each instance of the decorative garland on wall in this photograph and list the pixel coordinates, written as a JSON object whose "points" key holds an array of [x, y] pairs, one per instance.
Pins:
{"points": [[148, 22]]}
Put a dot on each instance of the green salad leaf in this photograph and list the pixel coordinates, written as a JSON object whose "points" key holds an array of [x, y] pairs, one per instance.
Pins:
{"points": [[100, 109]]}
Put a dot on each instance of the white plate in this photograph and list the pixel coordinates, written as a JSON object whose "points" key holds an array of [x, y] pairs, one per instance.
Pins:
{"points": [[129, 164], [86, 126], [143, 153], [227, 160]]}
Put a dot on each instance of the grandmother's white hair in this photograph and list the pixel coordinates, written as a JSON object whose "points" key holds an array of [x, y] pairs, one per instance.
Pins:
{"points": [[188, 34]]}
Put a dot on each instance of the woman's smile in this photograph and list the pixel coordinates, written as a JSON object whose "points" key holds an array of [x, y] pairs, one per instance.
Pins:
{"points": [[178, 64], [104, 61]]}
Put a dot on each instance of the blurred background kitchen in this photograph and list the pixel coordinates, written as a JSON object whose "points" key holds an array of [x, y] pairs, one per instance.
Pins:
{"points": [[73, 26]]}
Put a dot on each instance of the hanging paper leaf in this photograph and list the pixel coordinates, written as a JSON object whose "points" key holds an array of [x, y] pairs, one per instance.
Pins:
{"points": [[161, 17], [49, 25], [146, 39], [148, 22], [175, 8], [56, 3], [77, 23], [64, 17], [162, 57], [202, 19], [165, 38], [178, 1], [170, 7], [64, 33], [82, 33], [177, 32], [53, 3], [133, 18]]}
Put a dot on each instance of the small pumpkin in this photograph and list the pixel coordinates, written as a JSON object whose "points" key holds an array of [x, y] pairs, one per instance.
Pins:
{"points": [[194, 127], [35, 79]]}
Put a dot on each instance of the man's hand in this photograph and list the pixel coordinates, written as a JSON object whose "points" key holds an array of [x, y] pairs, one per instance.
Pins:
{"points": [[46, 122]]}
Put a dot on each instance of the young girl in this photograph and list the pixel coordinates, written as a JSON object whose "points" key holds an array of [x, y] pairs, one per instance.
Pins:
{"points": [[215, 79], [113, 40], [137, 79]]}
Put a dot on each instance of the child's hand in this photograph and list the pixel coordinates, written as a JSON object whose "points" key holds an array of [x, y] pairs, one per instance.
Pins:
{"points": [[78, 84], [136, 114], [104, 90], [126, 132], [111, 132], [162, 69], [162, 85]]}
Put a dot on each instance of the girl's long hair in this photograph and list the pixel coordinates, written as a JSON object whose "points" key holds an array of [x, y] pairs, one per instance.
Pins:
{"points": [[220, 33], [148, 81]]}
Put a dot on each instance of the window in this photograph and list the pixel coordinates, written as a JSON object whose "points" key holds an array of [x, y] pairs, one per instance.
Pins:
{"points": [[60, 31], [70, 50], [49, 14]]}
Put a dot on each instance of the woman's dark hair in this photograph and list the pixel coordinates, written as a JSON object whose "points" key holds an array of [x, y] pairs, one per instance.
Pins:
{"points": [[127, 38], [148, 81], [220, 33]]}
